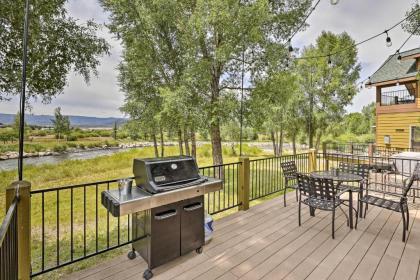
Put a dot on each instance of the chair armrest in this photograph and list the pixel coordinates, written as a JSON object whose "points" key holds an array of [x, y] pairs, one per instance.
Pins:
{"points": [[290, 177], [386, 193], [342, 191]]}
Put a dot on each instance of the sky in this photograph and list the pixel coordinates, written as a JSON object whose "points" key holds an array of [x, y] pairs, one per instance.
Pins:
{"points": [[359, 18]]}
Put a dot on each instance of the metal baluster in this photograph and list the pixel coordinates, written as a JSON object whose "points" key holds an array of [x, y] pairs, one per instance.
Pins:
{"points": [[96, 217], [43, 233], [71, 225], [58, 227], [84, 221]]}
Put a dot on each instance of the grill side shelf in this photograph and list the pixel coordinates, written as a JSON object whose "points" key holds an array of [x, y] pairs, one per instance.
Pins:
{"points": [[139, 200]]}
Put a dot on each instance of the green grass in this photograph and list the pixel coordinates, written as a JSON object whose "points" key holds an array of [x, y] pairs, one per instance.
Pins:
{"points": [[263, 178]]}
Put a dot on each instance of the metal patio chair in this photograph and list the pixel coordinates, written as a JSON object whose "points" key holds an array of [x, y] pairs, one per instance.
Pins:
{"points": [[392, 201], [290, 180], [321, 194], [357, 169]]}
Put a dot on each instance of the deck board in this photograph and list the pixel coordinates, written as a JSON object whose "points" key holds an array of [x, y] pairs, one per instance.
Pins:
{"points": [[266, 242]]}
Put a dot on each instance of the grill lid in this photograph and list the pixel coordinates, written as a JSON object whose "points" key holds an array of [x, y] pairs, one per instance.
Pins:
{"points": [[163, 174]]}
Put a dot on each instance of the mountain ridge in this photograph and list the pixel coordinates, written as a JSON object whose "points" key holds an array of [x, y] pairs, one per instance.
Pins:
{"points": [[75, 121]]}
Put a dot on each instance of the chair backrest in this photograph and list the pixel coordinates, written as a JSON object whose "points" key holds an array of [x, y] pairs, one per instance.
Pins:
{"points": [[357, 169], [324, 188], [289, 168], [316, 187], [415, 176], [304, 184]]}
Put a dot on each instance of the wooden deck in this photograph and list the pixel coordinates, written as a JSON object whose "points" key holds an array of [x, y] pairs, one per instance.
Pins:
{"points": [[266, 242]]}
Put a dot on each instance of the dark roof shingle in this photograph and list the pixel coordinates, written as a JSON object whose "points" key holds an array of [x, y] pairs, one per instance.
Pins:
{"points": [[391, 69]]}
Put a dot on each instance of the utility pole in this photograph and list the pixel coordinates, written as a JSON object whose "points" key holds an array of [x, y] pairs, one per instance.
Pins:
{"points": [[23, 92]]}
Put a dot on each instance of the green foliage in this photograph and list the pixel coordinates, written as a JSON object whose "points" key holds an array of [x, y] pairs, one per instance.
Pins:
{"points": [[327, 89], [72, 138], [60, 148], [61, 124], [57, 44], [178, 51]]}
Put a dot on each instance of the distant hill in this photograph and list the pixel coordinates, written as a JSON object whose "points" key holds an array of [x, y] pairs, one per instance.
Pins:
{"points": [[75, 121]]}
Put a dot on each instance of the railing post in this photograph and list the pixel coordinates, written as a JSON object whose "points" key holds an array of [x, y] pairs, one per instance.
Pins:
{"points": [[312, 160], [351, 148], [244, 183], [23, 189], [324, 155], [371, 151]]}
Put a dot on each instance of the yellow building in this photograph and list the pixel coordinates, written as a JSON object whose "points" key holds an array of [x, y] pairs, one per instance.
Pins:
{"points": [[398, 101]]}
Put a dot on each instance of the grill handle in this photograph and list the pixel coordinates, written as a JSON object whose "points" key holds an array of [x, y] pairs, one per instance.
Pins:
{"points": [[165, 215], [193, 207]]}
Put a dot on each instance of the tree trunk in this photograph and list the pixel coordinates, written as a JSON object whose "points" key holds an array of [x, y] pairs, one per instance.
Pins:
{"points": [[273, 140], [193, 144], [162, 143], [281, 141], [294, 143], [155, 144], [181, 149], [318, 140], [187, 144], [216, 143]]}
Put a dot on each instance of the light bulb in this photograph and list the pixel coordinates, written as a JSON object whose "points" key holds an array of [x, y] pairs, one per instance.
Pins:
{"points": [[329, 61], [388, 40], [399, 59], [290, 47], [334, 2]]}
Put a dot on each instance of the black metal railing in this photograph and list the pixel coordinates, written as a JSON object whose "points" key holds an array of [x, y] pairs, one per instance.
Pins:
{"points": [[227, 198], [69, 223], [266, 177], [9, 244], [397, 97], [387, 172]]}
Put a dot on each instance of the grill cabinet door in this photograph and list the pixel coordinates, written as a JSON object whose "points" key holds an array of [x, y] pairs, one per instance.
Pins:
{"points": [[165, 234], [192, 224]]}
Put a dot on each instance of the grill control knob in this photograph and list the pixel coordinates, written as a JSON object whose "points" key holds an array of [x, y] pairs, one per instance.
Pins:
{"points": [[174, 166]]}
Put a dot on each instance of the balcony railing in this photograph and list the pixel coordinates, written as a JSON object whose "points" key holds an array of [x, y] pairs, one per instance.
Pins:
{"points": [[397, 97]]}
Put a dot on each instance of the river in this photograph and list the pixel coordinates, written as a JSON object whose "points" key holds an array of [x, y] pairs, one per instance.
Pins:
{"points": [[10, 164]]}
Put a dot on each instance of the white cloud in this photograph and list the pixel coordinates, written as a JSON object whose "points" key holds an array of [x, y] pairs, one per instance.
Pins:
{"points": [[359, 18]]}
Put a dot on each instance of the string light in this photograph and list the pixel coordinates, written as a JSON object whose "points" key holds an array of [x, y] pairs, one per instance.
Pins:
{"points": [[388, 39], [290, 47], [399, 57], [334, 2], [366, 40]]}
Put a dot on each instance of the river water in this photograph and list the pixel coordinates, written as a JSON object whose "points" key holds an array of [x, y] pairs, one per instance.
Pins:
{"points": [[11, 164]]}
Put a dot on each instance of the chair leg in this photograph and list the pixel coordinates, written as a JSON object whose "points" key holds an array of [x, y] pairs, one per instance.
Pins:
{"points": [[408, 218], [333, 225], [366, 208], [299, 211], [297, 195], [284, 197], [404, 225], [357, 214]]}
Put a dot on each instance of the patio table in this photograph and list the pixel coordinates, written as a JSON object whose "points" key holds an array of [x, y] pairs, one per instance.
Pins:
{"points": [[341, 177]]}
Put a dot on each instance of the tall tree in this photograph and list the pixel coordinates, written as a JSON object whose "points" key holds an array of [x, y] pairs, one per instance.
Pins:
{"points": [[200, 41], [57, 44], [327, 87], [61, 124], [271, 102]]}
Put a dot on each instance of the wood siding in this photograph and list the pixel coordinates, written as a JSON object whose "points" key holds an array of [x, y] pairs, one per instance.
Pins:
{"points": [[396, 125]]}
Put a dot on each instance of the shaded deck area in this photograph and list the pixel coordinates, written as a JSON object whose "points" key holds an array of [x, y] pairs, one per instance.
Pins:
{"points": [[266, 242]]}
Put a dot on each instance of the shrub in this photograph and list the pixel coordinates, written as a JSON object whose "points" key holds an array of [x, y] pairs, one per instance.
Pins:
{"points": [[72, 137], [82, 146], [60, 148], [72, 145]]}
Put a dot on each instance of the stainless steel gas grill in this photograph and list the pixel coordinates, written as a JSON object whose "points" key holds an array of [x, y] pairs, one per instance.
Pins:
{"points": [[167, 206]]}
